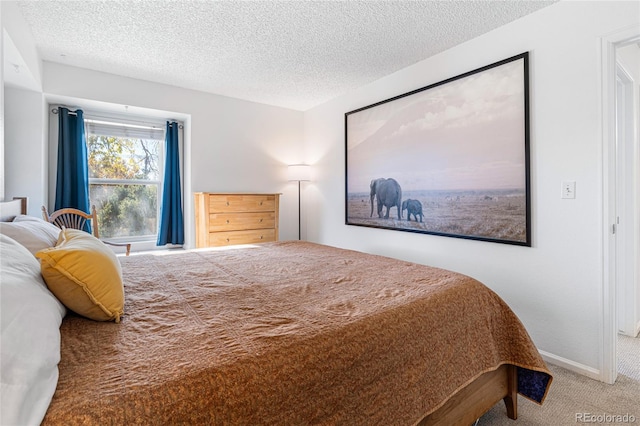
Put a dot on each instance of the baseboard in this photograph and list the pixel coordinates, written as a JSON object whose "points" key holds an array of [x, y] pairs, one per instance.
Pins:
{"points": [[576, 367]]}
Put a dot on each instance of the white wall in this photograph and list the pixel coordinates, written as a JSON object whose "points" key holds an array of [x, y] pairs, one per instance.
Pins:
{"points": [[22, 54], [24, 149], [20, 37], [22, 111], [555, 286]]}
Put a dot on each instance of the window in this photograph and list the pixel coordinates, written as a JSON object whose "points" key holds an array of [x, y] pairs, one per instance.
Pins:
{"points": [[125, 177]]}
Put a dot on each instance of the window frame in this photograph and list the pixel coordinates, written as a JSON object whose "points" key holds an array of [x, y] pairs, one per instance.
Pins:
{"points": [[115, 121]]}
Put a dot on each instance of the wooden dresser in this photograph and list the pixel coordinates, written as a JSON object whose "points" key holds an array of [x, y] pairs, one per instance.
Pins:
{"points": [[227, 219]]}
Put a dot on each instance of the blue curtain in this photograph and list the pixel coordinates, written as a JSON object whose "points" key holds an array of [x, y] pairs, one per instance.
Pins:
{"points": [[72, 180], [171, 223]]}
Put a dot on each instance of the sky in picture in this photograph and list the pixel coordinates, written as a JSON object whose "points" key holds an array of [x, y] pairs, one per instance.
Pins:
{"points": [[467, 134]]}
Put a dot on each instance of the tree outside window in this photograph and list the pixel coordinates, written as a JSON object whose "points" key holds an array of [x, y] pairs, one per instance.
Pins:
{"points": [[124, 185]]}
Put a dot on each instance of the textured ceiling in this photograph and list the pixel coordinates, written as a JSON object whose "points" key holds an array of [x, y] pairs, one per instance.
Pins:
{"points": [[294, 54]]}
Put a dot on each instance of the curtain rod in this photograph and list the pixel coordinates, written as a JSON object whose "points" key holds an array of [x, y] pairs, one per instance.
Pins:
{"points": [[55, 111]]}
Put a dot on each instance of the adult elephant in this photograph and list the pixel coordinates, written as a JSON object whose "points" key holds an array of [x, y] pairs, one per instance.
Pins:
{"points": [[388, 193]]}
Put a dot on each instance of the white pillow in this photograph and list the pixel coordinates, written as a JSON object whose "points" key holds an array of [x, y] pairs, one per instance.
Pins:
{"points": [[30, 318], [32, 232]]}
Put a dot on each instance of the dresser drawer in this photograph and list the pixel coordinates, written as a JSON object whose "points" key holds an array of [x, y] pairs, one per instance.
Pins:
{"points": [[241, 237], [241, 203], [241, 221]]}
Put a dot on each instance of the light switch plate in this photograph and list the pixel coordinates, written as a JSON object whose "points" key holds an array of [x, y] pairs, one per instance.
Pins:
{"points": [[568, 189]]}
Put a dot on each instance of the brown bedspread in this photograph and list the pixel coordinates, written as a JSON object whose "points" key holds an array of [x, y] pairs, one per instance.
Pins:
{"points": [[283, 333]]}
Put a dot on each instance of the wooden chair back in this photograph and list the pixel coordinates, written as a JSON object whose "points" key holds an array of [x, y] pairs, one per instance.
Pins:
{"points": [[73, 219], [76, 219]]}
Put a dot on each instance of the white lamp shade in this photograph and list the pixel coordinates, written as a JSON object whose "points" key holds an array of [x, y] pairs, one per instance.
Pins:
{"points": [[299, 172]]}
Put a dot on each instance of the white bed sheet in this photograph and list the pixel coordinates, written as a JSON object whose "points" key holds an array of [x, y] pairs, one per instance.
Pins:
{"points": [[30, 318]]}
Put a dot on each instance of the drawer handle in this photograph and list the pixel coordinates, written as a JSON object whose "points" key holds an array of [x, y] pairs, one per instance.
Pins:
{"points": [[227, 220], [261, 237], [227, 203], [260, 202], [227, 240], [260, 220]]}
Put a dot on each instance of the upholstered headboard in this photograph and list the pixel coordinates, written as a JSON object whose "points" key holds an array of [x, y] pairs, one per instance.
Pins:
{"points": [[11, 209]]}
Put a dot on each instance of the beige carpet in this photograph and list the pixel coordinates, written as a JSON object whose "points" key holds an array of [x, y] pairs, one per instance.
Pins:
{"points": [[629, 357], [572, 395]]}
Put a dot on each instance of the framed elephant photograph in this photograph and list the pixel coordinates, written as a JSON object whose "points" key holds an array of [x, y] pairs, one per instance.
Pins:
{"points": [[448, 159]]}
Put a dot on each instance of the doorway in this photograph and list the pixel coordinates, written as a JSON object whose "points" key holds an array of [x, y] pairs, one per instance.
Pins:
{"points": [[628, 218], [620, 195], [627, 187]]}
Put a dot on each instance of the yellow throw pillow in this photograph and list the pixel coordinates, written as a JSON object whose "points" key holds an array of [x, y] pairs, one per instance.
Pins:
{"points": [[85, 275]]}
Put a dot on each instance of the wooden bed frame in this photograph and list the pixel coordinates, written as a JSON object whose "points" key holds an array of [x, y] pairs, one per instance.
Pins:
{"points": [[475, 399], [463, 408]]}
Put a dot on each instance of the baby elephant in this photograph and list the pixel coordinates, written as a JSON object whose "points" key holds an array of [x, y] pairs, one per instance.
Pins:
{"points": [[413, 207]]}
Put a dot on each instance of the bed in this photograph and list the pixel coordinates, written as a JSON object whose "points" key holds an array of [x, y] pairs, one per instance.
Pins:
{"points": [[294, 333]]}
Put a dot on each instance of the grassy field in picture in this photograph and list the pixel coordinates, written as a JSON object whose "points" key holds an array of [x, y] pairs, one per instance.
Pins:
{"points": [[494, 214]]}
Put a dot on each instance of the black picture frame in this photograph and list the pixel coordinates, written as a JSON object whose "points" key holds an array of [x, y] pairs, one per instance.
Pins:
{"points": [[459, 152]]}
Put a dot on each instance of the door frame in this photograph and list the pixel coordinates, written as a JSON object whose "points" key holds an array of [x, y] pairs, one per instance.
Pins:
{"points": [[627, 166], [609, 329]]}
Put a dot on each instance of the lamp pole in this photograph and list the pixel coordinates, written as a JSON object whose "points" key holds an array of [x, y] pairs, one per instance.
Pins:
{"points": [[299, 172], [299, 209]]}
